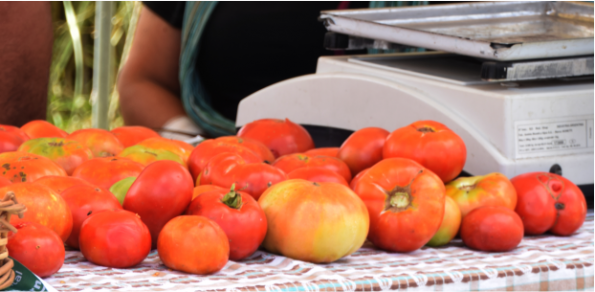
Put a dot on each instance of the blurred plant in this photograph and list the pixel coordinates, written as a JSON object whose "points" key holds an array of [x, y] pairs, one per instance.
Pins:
{"points": [[72, 61]]}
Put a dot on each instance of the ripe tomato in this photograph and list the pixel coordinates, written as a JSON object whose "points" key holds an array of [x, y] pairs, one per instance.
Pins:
{"points": [[313, 222], [67, 153], [238, 214], [256, 146], [83, 200], [430, 144], [131, 135], [160, 192], [181, 149], [317, 174], [36, 247], [281, 136], [356, 179], [27, 167], [16, 131], [44, 206], [116, 239], [405, 202], [146, 156], [101, 142], [291, 162], [198, 190], [549, 202], [9, 142], [450, 224], [41, 129], [193, 244], [106, 171], [59, 184], [492, 229], [201, 155], [227, 169], [492, 189], [4, 181], [363, 148], [325, 151]]}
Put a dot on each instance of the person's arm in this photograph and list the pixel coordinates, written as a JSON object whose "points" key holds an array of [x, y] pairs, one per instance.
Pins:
{"points": [[148, 83], [26, 39]]}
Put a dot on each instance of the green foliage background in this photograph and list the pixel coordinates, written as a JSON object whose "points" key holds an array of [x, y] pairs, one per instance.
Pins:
{"points": [[69, 107]]}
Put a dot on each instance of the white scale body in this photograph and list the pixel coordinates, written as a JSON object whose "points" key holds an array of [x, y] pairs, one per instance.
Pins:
{"points": [[510, 128]]}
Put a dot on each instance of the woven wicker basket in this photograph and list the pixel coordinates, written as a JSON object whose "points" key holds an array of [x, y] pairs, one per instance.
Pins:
{"points": [[8, 207]]}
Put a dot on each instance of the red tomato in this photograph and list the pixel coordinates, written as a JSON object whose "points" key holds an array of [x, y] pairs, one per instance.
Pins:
{"points": [[9, 142], [313, 222], [291, 162], [16, 131], [256, 146], [549, 202], [59, 184], [101, 142], [450, 224], [325, 151], [44, 206], [161, 192], [281, 136], [430, 144], [41, 129], [36, 247], [116, 239], [131, 135], [356, 179], [226, 169], [193, 244], [67, 153], [106, 171], [492, 229], [317, 174], [201, 155], [492, 189], [83, 200], [198, 190], [238, 214], [4, 181], [363, 148], [179, 148], [27, 167], [405, 202]]}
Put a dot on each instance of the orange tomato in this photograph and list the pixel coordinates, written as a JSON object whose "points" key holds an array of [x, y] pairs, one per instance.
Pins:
{"points": [[205, 188], [282, 137], [67, 153], [291, 162], [132, 135], [325, 151], [363, 148], [40, 129], [59, 184], [101, 142], [256, 146], [179, 148], [492, 189], [27, 167], [16, 131], [202, 154], [106, 171], [317, 174]]}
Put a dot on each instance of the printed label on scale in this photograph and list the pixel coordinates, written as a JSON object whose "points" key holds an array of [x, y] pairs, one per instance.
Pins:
{"points": [[544, 137]]}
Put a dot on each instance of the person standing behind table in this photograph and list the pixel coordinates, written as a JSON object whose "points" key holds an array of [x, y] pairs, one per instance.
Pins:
{"points": [[191, 63], [26, 38]]}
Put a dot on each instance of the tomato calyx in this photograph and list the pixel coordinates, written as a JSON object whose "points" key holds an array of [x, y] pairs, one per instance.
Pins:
{"points": [[426, 129], [232, 199], [398, 199], [559, 206], [56, 144], [467, 188]]}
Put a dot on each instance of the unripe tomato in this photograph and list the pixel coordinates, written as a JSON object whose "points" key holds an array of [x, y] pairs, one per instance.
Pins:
{"points": [[317, 174], [193, 244], [202, 154], [549, 202], [181, 149], [430, 144], [106, 171], [102, 143], [450, 224], [36, 247], [27, 167], [363, 148], [68, 154], [281, 136], [131, 135], [238, 214], [116, 239], [146, 156], [161, 192], [291, 162], [324, 151], [405, 201], [492, 229], [41, 129], [256, 146], [492, 189]]}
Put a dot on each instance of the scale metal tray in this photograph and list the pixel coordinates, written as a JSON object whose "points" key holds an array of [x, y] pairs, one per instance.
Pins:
{"points": [[501, 31]]}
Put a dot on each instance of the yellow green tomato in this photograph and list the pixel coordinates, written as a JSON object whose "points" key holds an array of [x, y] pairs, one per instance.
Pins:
{"points": [[67, 153], [450, 224], [120, 188], [146, 156], [492, 189]]}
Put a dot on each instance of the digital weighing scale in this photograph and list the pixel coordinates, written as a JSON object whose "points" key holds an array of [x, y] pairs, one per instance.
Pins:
{"points": [[531, 111]]}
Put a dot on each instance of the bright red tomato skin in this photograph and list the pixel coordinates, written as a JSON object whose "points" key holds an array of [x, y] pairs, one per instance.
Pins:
{"points": [[161, 192], [4, 182], [59, 184], [363, 148], [493, 229], [256, 146], [116, 239], [202, 154], [9, 142], [40, 129], [131, 135], [27, 167], [549, 202], [37, 248], [324, 151], [245, 227], [430, 144], [16, 131], [356, 178], [106, 171], [84, 200], [317, 174], [291, 162], [281, 136], [405, 202]]}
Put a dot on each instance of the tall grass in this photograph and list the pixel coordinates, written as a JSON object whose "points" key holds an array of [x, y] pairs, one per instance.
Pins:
{"points": [[71, 72]]}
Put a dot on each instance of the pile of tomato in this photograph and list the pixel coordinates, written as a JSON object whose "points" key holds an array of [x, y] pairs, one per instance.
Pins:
{"points": [[115, 195]]}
